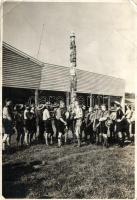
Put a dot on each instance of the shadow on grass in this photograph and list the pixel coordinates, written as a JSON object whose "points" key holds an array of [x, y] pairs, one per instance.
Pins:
{"points": [[11, 174]]}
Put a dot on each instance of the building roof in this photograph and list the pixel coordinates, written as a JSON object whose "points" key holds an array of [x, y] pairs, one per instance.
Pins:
{"points": [[23, 71]]}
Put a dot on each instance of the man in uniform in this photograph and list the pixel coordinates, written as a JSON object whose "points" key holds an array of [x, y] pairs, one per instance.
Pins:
{"points": [[61, 122], [96, 122], [103, 129], [78, 114], [7, 123], [48, 130], [119, 123], [19, 124], [89, 125]]}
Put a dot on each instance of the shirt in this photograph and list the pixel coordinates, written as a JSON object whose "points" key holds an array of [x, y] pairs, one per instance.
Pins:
{"points": [[128, 114], [6, 113], [25, 114], [46, 114], [104, 115], [60, 113], [78, 113], [119, 114], [113, 116], [92, 116], [18, 119], [97, 114]]}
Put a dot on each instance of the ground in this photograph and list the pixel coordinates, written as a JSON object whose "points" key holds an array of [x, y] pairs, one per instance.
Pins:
{"points": [[69, 172]]}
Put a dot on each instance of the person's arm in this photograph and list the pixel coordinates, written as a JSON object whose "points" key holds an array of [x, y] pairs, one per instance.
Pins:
{"points": [[89, 123], [7, 114], [60, 117], [48, 114], [80, 113]]}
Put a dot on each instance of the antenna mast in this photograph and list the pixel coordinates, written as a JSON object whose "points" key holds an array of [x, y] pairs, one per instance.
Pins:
{"points": [[37, 90]]}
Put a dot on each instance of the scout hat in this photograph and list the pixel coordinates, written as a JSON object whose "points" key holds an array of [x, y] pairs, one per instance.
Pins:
{"points": [[117, 103], [55, 105], [112, 109], [40, 107]]}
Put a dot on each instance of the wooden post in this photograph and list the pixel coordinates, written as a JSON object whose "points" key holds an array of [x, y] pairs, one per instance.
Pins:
{"points": [[36, 104], [90, 100], [108, 102], [36, 96], [67, 99]]}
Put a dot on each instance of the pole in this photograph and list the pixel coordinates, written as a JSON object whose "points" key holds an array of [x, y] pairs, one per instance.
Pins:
{"points": [[91, 100], [37, 90], [36, 97], [73, 77]]}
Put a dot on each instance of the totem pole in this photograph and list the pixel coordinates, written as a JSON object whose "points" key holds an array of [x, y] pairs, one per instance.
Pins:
{"points": [[73, 76]]}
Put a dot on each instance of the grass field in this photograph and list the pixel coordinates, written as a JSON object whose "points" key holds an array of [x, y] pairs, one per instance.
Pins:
{"points": [[69, 172]]}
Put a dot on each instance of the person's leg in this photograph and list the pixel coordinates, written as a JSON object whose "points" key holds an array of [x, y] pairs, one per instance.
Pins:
{"points": [[127, 129], [73, 130], [104, 139], [4, 141], [59, 139], [56, 127], [91, 133], [78, 137], [96, 136], [51, 139], [46, 137], [18, 137], [37, 129], [66, 135], [26, 136], [120, 139], [8, 139], [100, 138], [22, 137], [86, 134], [31, 136], [78, 132]]}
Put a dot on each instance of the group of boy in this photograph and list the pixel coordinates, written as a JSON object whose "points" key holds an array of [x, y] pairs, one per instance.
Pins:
{"points": [[100, 125]]}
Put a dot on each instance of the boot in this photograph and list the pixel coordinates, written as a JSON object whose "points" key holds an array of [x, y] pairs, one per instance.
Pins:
{"points": [[59, 142], [79, 143], [3, 146], [120, 142]]}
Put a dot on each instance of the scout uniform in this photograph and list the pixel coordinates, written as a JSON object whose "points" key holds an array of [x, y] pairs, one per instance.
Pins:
{"points": [[120, 124], [78, 117], [61, 124], [7, 124], [47, 125], [96, 123]]}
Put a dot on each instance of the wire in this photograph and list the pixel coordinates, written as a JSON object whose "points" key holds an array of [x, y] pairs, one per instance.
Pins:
{"points": [[40, 41], [17, 4]]}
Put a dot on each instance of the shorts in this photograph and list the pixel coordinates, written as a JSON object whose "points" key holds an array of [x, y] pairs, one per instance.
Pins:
{"points": [[60, 126], [8, 126], [20, 129], [133, 127], [120, 127], [26, 124], [103, 128], [48, 126], [29, 125]]}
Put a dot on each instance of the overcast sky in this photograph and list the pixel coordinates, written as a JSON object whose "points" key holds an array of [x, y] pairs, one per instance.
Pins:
{"points": [[106, 35]]}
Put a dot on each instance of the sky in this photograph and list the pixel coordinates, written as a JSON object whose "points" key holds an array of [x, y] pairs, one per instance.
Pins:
{"points": [[106, 34]]}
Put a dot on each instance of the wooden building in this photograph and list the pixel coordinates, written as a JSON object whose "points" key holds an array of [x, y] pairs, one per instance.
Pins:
{"points": [[24, 75]]}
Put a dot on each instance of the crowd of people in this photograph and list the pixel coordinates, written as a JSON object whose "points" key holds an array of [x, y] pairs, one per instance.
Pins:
{"points": [[53, 123]]}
